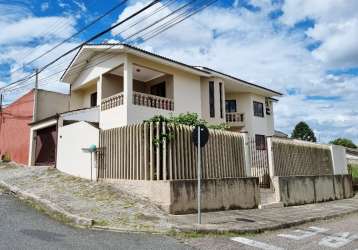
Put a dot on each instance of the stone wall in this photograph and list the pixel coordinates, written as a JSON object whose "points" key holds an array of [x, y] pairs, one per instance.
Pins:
{"points": [[299, 190]]}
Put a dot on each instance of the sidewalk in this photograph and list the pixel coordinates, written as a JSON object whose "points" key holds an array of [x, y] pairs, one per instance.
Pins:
{"points": [[112, 208]]}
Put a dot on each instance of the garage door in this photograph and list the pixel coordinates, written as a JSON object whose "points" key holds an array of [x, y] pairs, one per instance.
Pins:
{"points": [[46, 146]]}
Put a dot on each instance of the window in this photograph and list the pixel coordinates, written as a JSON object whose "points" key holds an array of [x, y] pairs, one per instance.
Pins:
{"points": [[94, 99], [258, 109], [230, 106], [211, 99], [260, 141], [158, 89], [221, 99]]}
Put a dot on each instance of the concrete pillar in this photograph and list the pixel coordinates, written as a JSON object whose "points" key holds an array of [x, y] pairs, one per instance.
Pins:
{"points": [[247, 155], [339, 160], [99, 90], [270, 157], [32, 148], [128, 82]]}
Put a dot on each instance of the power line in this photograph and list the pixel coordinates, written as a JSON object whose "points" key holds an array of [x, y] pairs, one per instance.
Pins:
{"points": [[89, 40], [96, 20], [157, 30]]}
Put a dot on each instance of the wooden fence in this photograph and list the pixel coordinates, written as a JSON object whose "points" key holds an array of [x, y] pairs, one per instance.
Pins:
{"points": [[153, 151], [296, 158]]}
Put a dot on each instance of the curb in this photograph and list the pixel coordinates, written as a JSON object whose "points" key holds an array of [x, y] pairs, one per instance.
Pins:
{"points": [[49, 207], [204, 229]]}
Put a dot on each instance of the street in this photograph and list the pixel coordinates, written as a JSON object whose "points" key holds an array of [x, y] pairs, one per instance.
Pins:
{"points": [[22, 227], [339, 233]]}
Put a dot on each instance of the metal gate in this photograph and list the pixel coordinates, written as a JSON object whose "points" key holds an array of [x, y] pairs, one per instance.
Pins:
{"points": [[259, 162]]}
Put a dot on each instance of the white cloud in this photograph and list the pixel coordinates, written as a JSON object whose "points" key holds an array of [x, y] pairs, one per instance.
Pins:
{"points": [[253, 47], [30, 28], [336, 27]]}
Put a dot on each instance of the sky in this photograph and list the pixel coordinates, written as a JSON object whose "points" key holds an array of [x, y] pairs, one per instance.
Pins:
{"points": [[305, 49]]}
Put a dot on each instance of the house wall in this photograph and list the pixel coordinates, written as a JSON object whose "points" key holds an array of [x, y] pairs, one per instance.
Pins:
{"points": [[71, 158], [14, 129], [111, 85], [50, 103], [81, 98], [205, 106], [260, 125], [253, 124]]}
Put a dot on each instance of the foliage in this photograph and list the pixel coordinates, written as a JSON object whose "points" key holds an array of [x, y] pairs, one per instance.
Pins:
{"points": [[303, 132], [6, 157], [344, 142], [353, 169], [188, 119]]}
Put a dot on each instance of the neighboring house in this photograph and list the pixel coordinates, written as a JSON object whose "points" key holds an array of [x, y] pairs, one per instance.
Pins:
{"points": [[280, 134], [14, 123], [131, 85]]}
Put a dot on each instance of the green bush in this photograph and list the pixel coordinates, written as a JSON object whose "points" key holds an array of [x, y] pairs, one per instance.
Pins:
{"points": [[6, 157], [353, 169]]}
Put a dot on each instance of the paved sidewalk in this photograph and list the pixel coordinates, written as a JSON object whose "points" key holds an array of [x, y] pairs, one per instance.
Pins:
{"points": [[111, 207]]}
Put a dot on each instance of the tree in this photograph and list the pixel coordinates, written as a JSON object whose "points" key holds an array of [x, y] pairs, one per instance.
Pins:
{"points": [[303, 132], [344, 142]]}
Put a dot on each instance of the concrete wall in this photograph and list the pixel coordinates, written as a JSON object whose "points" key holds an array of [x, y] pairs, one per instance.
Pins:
{"points": [[299, 190], [217, 194], [70, 157], [51, 103], [180, 196]]}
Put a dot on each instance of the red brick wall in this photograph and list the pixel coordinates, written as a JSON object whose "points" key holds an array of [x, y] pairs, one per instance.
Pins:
{"points": [[14, 128]]}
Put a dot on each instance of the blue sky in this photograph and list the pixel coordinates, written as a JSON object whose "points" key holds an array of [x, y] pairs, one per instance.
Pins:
{"points": [[306, 49]]}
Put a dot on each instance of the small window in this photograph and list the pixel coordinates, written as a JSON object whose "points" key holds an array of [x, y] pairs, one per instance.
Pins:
{"points": [[158, 89], [94, 99], [230, 106], [211, 99], [260, 141], [221, 99], [258, 109]]}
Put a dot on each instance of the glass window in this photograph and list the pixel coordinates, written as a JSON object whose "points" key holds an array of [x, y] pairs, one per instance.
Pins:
{"points": [[260, 141], [211, 99], [258, 109], [94, 99], [230, 106]]}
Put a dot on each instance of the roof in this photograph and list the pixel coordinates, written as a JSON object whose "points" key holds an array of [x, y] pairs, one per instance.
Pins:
{"points": [[202, 71]]}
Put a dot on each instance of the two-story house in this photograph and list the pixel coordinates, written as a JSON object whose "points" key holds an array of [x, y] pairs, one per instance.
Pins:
{"points": [[116, 85]]}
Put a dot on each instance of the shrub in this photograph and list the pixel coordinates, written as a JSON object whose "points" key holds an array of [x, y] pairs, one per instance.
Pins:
{"points": [[6, 157]]}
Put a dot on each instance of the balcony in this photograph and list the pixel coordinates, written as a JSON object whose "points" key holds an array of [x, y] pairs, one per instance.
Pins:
{"points": [[141, 99], [153, 101], [235, 119], [112, 101]]}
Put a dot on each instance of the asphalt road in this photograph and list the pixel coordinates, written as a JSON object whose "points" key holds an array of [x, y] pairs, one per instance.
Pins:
{"points": [[340, 233], [22, 227]]}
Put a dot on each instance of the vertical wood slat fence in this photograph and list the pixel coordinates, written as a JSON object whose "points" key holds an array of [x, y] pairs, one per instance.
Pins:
{"points": [[132, 153], [295, 158]]}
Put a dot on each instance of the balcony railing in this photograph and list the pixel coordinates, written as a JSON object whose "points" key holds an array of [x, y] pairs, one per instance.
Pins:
{"points": [[153, 101], [112, 101], [235, 117]]}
